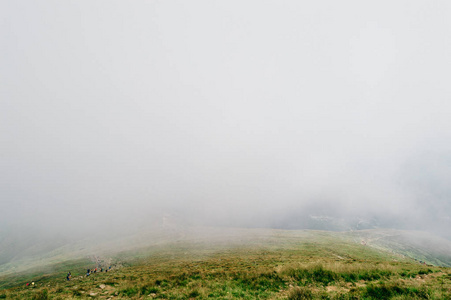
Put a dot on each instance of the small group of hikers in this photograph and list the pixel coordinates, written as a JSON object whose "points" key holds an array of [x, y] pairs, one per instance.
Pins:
{"points": [[89, 272], [69, 275]]}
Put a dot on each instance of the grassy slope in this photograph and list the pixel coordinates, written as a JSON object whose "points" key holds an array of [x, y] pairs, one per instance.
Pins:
{"points": [[419, 246], [264, 264]]}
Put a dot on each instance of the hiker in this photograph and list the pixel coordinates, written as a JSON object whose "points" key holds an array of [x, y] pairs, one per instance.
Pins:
{"points": [[69, 275], [89, 272]]}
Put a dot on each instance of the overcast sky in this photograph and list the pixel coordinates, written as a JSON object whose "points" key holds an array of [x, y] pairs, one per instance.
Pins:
{"points": [[234, 111]]}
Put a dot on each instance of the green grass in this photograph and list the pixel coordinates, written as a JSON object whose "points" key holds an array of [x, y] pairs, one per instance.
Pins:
{"points": [[47, 273], [283, 265]]}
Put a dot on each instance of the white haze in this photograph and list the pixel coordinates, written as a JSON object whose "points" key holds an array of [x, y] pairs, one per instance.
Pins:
{"points": [[231, 113]]}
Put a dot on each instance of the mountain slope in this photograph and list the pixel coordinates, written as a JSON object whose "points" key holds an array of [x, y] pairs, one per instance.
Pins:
{"points": [[242, 264]]}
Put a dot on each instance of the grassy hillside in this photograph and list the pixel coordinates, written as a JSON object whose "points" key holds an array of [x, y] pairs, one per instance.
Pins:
{"points": [[245, 264], [419, 246]]}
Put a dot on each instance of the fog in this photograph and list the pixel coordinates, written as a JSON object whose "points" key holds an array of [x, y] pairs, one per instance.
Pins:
{"points": [[225, 113]]}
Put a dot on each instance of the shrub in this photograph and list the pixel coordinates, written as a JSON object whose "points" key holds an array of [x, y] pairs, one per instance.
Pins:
{"points": [[194, 294], [130, 291], [269, 281], [387, 291], [315, 274], [149, 289], [110, 282], [41, 295], [161, 282], [349, 277], [319, 274], [300, 293], [378, 292], [425, 272]]}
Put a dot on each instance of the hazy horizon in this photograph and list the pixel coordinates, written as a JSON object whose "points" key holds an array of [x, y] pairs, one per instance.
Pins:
{"points": [[230, 113]]}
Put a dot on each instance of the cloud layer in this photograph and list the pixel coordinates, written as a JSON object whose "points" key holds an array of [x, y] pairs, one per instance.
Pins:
{"points": [[225, 112]]}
